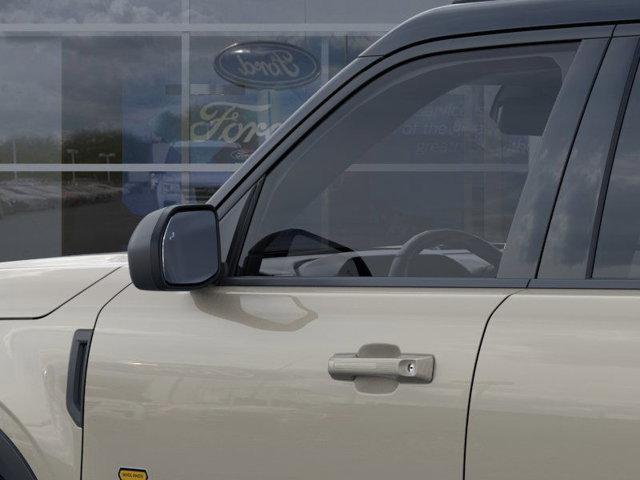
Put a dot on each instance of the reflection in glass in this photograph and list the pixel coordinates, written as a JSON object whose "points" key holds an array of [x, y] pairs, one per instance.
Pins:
{"points": [[86, 101], [442, 145], [116, 129], [618, 250], [30, 99], [83, 11], [119, 107]]}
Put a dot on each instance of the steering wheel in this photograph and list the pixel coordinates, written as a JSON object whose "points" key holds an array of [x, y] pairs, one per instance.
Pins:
{"points": [[457, 239], [278, 244]]}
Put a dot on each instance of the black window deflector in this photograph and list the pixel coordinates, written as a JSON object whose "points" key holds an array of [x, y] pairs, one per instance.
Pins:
{"points": [[77, 375]]}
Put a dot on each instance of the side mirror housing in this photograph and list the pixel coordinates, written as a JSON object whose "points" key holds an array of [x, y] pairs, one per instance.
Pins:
{"points": [[176, 248]]}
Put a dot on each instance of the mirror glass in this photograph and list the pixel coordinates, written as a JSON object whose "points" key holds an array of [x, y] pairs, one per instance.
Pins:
{"points": [[190, 248]]}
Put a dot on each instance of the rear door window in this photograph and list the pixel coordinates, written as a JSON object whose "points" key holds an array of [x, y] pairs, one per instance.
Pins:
{"points": [[618, 249]]}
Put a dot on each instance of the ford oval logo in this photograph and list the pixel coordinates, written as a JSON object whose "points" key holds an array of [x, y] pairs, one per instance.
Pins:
{"points": [[266, 65]]}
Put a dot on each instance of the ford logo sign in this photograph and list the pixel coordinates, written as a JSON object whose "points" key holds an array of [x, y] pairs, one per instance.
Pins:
{"points": [[266, 65]]}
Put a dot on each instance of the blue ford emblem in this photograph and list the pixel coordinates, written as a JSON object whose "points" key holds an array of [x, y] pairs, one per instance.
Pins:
{"points": [[266, 65]]}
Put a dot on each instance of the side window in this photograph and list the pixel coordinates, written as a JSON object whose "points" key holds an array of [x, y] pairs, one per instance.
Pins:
{"points": [[418, 174], [618, 249]]}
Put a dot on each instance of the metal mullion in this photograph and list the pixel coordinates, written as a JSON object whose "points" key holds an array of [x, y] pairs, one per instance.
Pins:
{"points": [[196, 29], [184, 114]]}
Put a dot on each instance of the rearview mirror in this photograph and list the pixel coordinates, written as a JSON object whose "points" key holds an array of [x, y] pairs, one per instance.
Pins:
{"points": [[175, 248]]}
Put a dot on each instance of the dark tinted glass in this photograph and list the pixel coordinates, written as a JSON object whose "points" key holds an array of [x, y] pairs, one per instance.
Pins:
{"points": [[567, 250], [190, 248], [618, 250], [419, 174]]}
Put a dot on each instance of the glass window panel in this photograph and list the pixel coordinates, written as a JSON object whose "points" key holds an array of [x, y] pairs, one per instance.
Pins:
{"points": [[618, 250], [30, 102], [119, 107], [83, 11], [247, 11], [228, 121], [30, 208], [112, 118], [338, 12], [85, 104], [419, 174]]}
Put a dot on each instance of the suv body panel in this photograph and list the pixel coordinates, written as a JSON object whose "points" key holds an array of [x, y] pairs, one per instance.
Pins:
{"points": [[234, 378], [156, 411], [33, 389], [555, 393]]}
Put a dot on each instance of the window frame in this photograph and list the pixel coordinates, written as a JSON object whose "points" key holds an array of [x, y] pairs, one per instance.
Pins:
{"points": [[356, 76], [551, 281]]}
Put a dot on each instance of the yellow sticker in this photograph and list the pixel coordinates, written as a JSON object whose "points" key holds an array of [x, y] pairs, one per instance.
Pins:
{"points": [[132, 474]]}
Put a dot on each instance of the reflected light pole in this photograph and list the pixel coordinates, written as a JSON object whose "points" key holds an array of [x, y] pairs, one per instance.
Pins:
{"points": [[15, 159], [107, 157], [73, 152]]}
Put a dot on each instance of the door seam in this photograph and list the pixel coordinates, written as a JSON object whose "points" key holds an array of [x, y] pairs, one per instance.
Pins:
{"points": [[86, 376], [473, 377]]}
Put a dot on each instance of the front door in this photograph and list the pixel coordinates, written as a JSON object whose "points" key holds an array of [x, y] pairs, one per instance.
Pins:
{"points": [[343, 344]]}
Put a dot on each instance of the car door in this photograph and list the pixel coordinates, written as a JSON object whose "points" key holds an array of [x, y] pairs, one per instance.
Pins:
{"points": [[363, 268], [558, 378]]}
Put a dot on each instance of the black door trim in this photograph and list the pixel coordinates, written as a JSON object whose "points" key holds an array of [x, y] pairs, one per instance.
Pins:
{"points": [[77, 375]]}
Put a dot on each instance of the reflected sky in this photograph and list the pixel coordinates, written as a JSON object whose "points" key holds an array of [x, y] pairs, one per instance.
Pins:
{"points": [[210, 11], [118, 99], [30, 87], [90, 11]]}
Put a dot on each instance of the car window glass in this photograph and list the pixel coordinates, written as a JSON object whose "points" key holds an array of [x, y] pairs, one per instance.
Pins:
{"points": [[418, 174], [618, 249]]}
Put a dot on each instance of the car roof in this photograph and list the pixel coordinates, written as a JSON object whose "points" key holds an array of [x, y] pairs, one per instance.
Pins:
{"points": [[492, 16]]}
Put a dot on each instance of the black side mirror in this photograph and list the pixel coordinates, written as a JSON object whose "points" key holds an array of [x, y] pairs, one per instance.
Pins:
{"points": [[176, 248]]}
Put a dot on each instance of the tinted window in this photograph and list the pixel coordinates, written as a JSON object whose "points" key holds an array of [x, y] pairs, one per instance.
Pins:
{"points": [[568, 247], [618, 251], [418, 174]]}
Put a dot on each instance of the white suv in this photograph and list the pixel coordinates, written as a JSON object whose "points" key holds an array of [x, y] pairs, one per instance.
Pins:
{"points": [[431, 270]]}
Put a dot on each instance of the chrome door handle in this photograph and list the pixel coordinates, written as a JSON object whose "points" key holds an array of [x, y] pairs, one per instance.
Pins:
{"points": [[408, 367]]}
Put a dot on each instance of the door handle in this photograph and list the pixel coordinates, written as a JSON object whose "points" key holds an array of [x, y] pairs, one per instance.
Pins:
{"points": [[370, 362]]}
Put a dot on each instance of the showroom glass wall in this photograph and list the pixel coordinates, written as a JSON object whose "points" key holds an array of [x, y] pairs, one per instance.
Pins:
{"points": [[110, 109]]}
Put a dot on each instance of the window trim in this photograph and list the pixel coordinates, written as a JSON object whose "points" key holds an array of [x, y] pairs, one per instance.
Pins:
{"points": [[370, 282], [297, 128], [613, 153], [584, 284], [613, 78], [588, 282], [242, 227]]}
